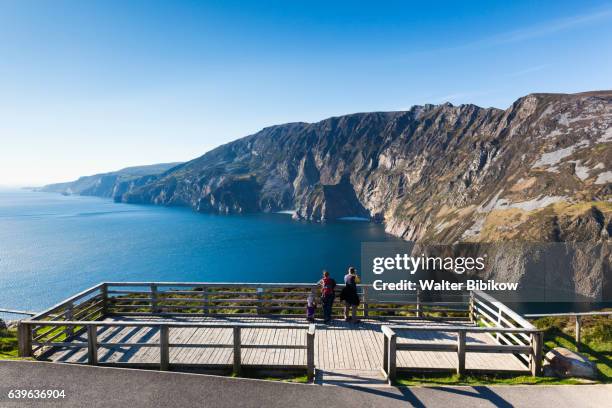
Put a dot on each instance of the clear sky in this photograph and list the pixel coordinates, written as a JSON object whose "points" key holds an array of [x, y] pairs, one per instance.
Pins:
{"points": [[88, 86]]}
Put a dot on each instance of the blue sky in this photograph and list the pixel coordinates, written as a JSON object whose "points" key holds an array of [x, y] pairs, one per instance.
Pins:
{"points": [[90, 86]]}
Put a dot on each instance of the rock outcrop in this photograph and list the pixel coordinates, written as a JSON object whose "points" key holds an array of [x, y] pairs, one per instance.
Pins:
{"points": [[564, 363]]}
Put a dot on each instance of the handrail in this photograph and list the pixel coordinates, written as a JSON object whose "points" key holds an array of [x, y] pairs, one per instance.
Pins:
{"points": [[92, 344], [507, 326], [391, 345], [20, 312], [199, 298], [69, 300], [568, 314], [136, 323], [577, 315], [505, 309], [467, 329]]}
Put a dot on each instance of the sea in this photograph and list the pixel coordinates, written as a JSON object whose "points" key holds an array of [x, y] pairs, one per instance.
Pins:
{"points": [[53, 246]]}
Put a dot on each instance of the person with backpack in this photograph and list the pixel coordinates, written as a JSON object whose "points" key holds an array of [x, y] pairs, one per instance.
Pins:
{"points": [[328, 286], [350, 296]]}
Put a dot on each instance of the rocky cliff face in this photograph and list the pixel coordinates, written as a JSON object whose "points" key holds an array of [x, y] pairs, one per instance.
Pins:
{"points": [[540, 170], [113, 184]]}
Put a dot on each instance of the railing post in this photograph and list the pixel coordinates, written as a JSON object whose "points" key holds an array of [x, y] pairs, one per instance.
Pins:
{"points": [[365, 301], [310, 360], [499, 324], [461, 352], [164, 347], [92, 345], [24, 340], [471, 306], [419, 312], [259, 297], [69, 316], [385, 364], [535, 362], [154, 305], [578, 336], [104, 295], [391, 362], [237, 350], [205, 300]]}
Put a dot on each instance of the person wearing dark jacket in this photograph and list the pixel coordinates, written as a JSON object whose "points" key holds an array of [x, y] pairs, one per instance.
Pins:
{"points": [[350, 296], [328, 286]]}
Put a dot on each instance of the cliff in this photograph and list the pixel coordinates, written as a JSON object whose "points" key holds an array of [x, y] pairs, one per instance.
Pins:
{"points": [[539, 170], [112, 184]]}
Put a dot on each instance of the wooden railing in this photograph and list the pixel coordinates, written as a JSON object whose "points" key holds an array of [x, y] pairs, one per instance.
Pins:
{"points": [[246, 299], [578, 318], [512, 333], [17, 312], [86, 306], [27, 327], [489, 312], [270, 299]]}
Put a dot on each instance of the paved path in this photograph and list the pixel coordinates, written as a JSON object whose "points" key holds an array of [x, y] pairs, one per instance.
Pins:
{"points": [[94, 387]]}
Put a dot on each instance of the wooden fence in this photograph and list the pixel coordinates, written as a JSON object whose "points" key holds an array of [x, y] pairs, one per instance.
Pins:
{"points": [[578, 318], [92, 344], [513, 334], [63, 324], [270, 299]]}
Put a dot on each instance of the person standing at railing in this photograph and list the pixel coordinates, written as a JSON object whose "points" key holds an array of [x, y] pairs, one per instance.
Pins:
{"points": [[349, 295], [328, 286]]}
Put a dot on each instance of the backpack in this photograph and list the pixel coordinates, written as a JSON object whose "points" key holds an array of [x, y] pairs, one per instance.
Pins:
{"points": [[328, 286]]}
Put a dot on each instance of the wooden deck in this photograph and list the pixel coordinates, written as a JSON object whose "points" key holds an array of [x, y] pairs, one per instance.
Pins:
{"points": [[341, 349]]}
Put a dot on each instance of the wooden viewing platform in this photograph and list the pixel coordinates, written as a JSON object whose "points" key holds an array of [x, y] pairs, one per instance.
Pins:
{"points": [[222, 327]]}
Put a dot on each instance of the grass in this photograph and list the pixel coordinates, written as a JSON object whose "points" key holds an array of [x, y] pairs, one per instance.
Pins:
{"points": [[454, 379], [8, 344], [300, 379], [596, 339]]}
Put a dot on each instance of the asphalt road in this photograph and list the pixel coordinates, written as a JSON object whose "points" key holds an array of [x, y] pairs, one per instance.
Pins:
{"points": [[126, 388]]}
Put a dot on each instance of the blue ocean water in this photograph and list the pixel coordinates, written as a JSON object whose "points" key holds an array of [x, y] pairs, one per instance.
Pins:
{"points": [[52, 246]]}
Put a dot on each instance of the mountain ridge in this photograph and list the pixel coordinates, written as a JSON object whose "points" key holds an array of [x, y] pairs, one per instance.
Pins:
{"points": [[538, 171], [398, 166]]}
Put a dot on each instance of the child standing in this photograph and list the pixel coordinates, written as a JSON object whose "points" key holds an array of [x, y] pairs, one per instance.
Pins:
{"points": [[311, 308]]}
